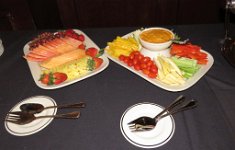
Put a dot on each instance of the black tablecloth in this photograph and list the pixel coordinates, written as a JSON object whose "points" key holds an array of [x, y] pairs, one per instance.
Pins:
{"points": [[211, 126]]}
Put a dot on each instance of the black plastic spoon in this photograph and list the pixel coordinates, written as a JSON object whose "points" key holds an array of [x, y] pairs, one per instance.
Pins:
{"points": [[34, 108]]}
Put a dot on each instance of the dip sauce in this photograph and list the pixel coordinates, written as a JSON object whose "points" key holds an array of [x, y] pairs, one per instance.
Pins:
{"points": [[156, 36]]}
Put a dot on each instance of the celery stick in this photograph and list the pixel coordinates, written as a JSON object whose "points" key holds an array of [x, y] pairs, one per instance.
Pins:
{"points": [[188, 66], [184, 62], [190, 69], [187, 75]]}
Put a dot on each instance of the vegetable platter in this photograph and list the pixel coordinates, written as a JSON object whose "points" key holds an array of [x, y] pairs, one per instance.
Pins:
{"points": [[171, 64]]}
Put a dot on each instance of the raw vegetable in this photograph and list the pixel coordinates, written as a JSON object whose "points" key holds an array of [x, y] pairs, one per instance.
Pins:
{"points": [[188, 66], [140, 63], [122, 46], [184, 62], [168, 72], [189, 51], [136, 34]]}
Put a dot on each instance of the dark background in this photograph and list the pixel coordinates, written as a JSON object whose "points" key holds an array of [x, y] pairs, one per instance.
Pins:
{"points": [[57, 14]]}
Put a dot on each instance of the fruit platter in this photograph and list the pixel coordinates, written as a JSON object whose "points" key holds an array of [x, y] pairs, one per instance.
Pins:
{"points": [[158, 56], [63, 58]]}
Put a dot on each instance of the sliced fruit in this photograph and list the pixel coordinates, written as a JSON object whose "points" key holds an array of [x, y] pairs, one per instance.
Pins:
{"points": [[71, 33], [63, 58], [53, 78], [81, 37], [59, 77], [48, 45], [92, 51], [45, 79], [82, 46], [94, 63]]}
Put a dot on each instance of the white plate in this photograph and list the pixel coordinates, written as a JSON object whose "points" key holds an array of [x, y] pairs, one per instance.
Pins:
{"points": [[159, 136], [38, 124], [190, 82], [36, 69]]}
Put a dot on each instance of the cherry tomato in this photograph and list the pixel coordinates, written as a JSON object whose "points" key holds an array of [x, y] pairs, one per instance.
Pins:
{"points": [[140, 62], [130, 63], [135, 61], [126, 59], [148, 67], [139, 57], [137, 67], [136, 52], [145, 59], [152, 75], [153, 69], [146, 71], [132, 56], [149, 63], [121, 57], [143, 66]]}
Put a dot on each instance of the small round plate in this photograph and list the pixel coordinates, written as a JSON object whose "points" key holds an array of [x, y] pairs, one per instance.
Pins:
{"points": [[36, 125], [156, 137]]}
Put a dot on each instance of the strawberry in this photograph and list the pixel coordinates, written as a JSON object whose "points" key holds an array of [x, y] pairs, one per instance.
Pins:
{"points": [[98, 62], [44, 78], [53, 78], [81, 37], [94, 63], [82, 46], [71, 33], [93, 52], [59, 77]]}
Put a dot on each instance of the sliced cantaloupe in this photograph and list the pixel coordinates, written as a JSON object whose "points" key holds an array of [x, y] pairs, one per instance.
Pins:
{"points": [[31, 54], [63, 58], [48, 46], [72, 41], [64, 48], [43, 52], [29, 58], [53, 48], [42, 47]]}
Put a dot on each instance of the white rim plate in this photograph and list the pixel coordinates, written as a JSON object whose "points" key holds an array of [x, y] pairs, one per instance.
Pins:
{"points": [[35, 69], [38, 124], [189, 82], [157, 137]]}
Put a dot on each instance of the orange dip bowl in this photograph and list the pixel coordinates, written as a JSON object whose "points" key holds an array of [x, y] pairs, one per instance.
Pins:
{"points": [[156, 38]]}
